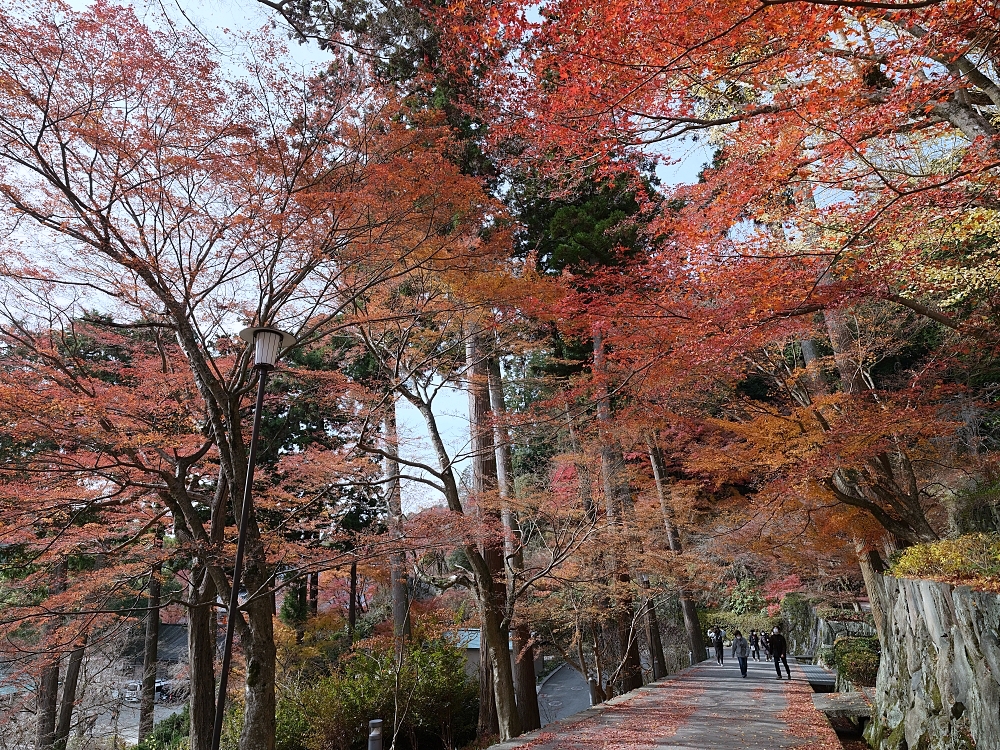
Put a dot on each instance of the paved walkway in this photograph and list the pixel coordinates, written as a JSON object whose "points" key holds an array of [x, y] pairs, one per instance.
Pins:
{"points": [[705, 707]]}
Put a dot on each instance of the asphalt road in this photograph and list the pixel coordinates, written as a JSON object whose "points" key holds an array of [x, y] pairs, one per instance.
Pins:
{"points": [[563, 694], [126, 724]]}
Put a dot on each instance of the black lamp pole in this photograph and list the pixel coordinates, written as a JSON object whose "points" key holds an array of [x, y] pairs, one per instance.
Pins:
{"points": [[267, 343]]}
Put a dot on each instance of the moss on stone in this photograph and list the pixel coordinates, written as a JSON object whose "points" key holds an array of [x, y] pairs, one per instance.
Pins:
{"points": [[935, 696], [895, 739]]}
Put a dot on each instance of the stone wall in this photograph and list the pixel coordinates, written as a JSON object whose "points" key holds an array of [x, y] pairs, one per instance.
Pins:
{"points": [[939, 676]]}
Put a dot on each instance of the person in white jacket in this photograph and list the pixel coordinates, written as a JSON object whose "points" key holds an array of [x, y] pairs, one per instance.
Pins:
{"points": [[741, 650]]}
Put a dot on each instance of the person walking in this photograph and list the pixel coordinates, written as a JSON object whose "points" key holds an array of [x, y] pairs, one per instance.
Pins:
{"points": [[765, 643], [779, 651], [718, 639], [754, 640], [741, 650]]}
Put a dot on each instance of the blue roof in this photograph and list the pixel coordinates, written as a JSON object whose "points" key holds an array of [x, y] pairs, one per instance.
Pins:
{"points": [[469, 638]]}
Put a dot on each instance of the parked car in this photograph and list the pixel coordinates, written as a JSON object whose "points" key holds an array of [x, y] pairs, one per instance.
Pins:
{"points": [[133, 691], [162, 692]]}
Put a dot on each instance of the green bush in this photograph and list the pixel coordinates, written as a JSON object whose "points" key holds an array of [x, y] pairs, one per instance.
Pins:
{"points": [[232, 724], [856, 659], [730, 621], [437, 702], [746, 598], [971, 559], [291, 724], [978, 509], [171, 733]]}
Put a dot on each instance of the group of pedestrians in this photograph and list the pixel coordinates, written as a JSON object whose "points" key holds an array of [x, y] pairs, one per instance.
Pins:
{"points": [[774, 645]]}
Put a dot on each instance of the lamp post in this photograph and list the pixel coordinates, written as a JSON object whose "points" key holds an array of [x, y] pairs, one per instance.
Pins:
{"points": [[267, 344]]}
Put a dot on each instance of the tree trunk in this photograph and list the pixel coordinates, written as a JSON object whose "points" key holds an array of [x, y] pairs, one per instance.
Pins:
{"points": [[484, 480], [582, 470], [314, 594], [149, 655], [46, 703], [656, 658], [871, 567], [688, 606], [848, 366], [524, 659], [497, 642], [397, 559], [352, 605], [509, 724], [488, 724], [484, 460], [68, 703], [813, 378], [302, 595], [618, 500], [46, 699], [260, 654], [71, 682], [256, 631], [490, 572], [201, 659]]}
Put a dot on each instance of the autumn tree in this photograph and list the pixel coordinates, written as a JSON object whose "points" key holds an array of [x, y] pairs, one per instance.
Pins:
{"points": [[177, 199]]}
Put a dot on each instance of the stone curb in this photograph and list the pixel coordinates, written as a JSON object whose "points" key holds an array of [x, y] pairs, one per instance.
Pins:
{"points": [[587, 713]]}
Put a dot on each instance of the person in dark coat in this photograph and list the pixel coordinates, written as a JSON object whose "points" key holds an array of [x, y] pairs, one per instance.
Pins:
{"points": [[779, 652], [741, 650], [718, 640], [765, 643], [754, 640]]}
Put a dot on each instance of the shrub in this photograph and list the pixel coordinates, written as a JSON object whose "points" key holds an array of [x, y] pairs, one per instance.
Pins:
{"points": [[291, 724], [856, 659], [730, 621], [169, 734], [971, 559], [436, 700], [746, 598]]}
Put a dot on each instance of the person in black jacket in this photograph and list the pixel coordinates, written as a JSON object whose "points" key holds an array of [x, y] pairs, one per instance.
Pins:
{"points": [[718, 640], [754, 644], [779, 651]]}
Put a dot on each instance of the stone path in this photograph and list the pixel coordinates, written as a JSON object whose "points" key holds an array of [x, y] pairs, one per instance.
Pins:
{"points": [[705, 707]]}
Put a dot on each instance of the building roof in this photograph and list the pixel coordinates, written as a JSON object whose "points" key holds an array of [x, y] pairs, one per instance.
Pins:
{"points": [[469, 638]]}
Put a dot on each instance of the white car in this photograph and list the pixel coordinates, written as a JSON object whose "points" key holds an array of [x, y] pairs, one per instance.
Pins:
{"points": [[133, 691]]}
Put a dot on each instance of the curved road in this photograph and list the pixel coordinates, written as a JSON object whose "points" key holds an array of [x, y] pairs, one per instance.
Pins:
{"points": [[563, 694]]}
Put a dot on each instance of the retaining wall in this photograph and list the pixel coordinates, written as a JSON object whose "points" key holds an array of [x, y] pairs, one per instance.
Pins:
{"points": [[939, 675]]}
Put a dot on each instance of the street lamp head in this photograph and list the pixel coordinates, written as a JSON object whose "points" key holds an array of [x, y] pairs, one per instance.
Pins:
{"points": [[267, 343]]}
